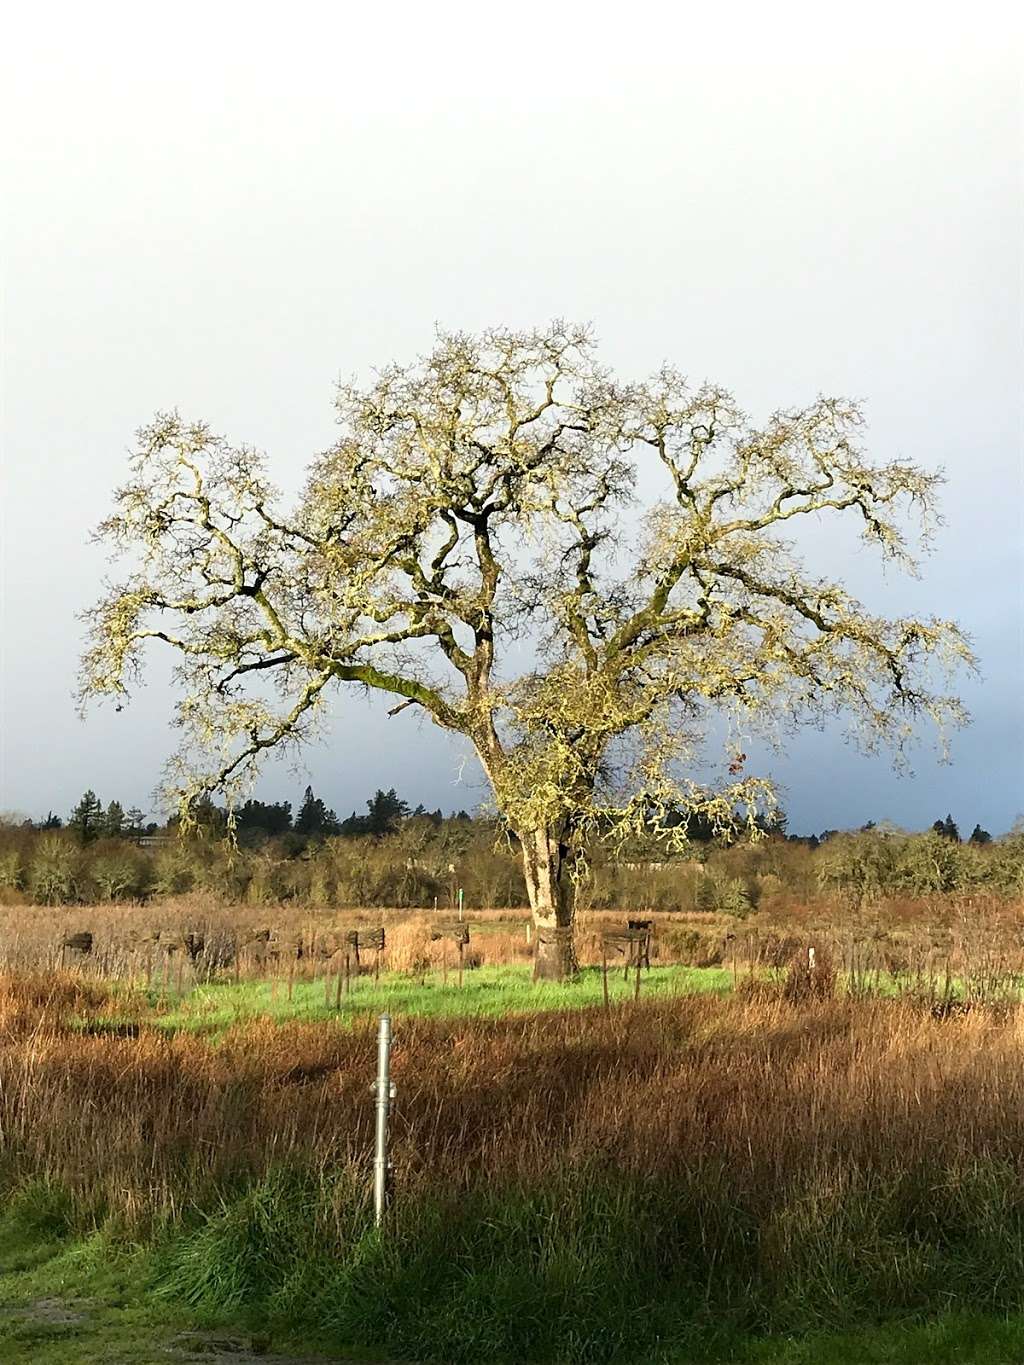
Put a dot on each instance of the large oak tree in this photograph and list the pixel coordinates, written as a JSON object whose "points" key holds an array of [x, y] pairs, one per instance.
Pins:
{"points": [[574, 572]]}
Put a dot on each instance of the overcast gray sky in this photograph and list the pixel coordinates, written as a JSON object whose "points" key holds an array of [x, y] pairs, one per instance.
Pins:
{"points": [[224, 207]]}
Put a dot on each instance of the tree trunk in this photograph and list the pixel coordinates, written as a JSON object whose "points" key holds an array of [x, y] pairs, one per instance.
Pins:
{"points": [[552, 898]]}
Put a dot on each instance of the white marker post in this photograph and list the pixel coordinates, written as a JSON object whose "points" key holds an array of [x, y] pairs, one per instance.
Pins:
{"points": [[385, 1094]]}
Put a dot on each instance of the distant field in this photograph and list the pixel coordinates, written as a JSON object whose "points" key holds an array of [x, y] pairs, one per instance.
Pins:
{"points": [[929, 950]]}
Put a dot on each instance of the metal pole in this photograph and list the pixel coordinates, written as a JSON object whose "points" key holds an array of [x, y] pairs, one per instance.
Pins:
{"points": [[385, 1094]]}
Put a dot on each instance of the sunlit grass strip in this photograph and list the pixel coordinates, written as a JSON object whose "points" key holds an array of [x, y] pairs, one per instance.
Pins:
{"points": [[491, 992]]}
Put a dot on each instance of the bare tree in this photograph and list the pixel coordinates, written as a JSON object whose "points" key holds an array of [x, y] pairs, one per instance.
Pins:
{"points": [[486, 497]]}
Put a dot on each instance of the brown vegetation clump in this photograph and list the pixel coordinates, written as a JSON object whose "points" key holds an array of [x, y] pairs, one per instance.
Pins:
{"points": [[418, 944], [810, 974], [41, 1002]]}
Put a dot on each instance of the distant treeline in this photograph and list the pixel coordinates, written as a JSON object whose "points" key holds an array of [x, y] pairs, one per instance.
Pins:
{"points": [[402, 857], [255, 822], [252, 823]]}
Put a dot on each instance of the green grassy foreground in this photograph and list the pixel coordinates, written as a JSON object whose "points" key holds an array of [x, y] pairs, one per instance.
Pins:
{"points": [[549, 1276], [92, 1302]]}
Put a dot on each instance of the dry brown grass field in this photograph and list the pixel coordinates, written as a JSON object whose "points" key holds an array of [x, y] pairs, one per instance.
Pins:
{"points": [[771, 1094], [670, 1170], [779, 1153]]}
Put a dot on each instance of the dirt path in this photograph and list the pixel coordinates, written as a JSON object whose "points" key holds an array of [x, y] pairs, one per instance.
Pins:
{"points": [[71, 1331]]}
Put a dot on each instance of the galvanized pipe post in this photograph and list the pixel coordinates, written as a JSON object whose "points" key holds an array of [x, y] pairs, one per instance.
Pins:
{"points": [[385, 1094]]}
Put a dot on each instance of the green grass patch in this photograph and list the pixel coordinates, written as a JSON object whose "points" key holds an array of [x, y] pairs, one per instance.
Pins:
{"points": [[485, 992], [952, 1339]]}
